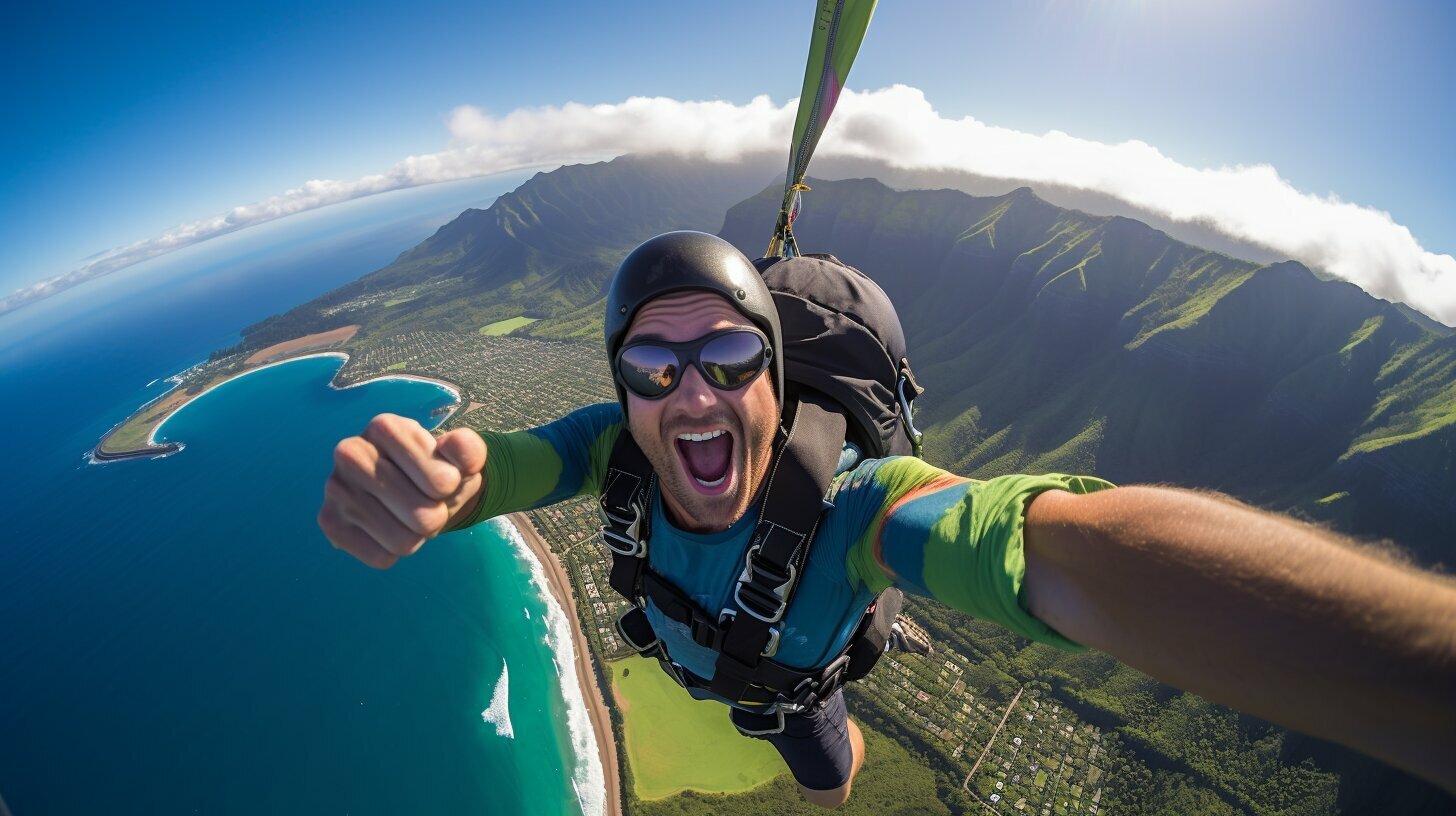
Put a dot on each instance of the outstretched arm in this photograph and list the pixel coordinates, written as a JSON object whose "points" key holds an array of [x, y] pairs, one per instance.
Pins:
{"points": [[395, 486], [1259, 612]]}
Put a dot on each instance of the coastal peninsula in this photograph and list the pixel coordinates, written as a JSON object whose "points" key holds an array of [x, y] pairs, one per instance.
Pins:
{"points": [[135, 437]]}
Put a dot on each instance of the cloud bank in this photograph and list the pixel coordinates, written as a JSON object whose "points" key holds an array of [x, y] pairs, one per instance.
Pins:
{"points": [[896, 125]]}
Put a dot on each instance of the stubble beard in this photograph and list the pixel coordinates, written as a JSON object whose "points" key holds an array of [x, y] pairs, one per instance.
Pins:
{"points": [[752, 450]]}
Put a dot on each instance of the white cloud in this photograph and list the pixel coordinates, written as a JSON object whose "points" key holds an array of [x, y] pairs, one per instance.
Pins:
{"points": [[896, 125], [1252, 203]]}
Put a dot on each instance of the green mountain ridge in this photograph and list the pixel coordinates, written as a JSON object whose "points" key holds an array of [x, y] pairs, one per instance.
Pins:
{"points": [[544, 250], [1051, 339]]}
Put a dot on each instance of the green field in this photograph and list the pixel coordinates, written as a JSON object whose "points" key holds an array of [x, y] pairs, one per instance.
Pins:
{"points": [[501, 327], [676, 743], [133, 435]]}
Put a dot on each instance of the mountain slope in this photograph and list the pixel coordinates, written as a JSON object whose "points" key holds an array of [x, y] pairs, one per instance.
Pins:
{"points": [[543, 250], [1049, 339]]}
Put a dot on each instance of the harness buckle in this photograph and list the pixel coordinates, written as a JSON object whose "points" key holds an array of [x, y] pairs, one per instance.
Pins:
{"points": [[776, 725], [769, 649], [816, 687], [621, 535], [621, 507], [830, 677], [638, 619], [805, 693], [704, 633], [767, 605], [906, 411], [675, 671], [624, 545]]}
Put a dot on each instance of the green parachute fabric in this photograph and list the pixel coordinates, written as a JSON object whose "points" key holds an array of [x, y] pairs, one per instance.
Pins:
{"points": [[839, 28]]}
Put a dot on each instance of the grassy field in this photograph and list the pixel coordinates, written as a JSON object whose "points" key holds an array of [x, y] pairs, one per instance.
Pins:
{"points": [[501, 327], [893, 781], [135, 432], [131, 436], [676, 743]]}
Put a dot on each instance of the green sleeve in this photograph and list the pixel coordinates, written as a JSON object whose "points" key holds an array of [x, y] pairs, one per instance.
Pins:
{"points": [[953, 539], [541, 466]]}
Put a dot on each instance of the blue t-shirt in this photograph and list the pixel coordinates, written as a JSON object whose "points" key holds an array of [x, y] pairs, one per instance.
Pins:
{"points": [[895, 521]]}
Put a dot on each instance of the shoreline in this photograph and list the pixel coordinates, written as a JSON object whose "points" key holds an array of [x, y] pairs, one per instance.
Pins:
{"points": [[601, 721], [553, 571], [153, 448]]}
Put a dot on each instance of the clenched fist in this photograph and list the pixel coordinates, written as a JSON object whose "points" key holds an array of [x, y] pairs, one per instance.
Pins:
{"points": [[398, 485]]}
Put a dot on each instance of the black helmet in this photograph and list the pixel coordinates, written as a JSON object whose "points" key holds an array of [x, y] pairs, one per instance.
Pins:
{"points": [[687, 261]]}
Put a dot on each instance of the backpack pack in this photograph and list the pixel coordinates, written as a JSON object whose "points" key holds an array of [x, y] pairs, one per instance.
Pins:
{"points": [[848, 380]]}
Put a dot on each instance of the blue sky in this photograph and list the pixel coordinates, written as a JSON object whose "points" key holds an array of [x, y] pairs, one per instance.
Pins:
{"points": [[125, 122]]}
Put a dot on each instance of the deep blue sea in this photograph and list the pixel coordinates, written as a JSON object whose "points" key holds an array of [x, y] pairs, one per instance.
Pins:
{"points": [[176, 635]]}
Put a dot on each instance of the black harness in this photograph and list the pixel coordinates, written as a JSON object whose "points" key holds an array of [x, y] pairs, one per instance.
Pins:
{"points": [[745, 634]]}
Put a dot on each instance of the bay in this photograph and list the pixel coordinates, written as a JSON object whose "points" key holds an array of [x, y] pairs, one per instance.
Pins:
{"points": [[176, 636]]}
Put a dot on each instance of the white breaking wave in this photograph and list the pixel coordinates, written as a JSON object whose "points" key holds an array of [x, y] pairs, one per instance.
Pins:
{"points": [[498, 713], [527, 611], [588, 777]]}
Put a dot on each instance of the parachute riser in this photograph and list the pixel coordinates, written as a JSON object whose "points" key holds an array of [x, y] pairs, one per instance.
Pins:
{"points": [[830, 56], [783, 244]]}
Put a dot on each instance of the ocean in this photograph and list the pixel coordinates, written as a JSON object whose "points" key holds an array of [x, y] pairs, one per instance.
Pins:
{"points": [[176, 635]]}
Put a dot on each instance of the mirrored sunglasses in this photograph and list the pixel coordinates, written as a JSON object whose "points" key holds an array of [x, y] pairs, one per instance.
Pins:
{"points": [[728, 360]]}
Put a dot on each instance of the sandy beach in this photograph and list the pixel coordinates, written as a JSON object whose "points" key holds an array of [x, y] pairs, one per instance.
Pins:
{"points": [[596, 706], [278, 351]]}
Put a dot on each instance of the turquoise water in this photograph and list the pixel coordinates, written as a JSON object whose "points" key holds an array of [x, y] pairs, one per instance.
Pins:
{"points": [[176, 636]]}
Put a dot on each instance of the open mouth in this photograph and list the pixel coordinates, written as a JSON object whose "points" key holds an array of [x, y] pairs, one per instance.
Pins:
{"points": [[708, 459]]}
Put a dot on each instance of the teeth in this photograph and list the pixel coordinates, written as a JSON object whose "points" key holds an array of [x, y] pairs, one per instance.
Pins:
{"points": [[713, 483], [702, 437]]}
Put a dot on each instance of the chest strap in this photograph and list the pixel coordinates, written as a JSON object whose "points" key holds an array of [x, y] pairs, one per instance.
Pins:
{"points": [[774, 682], [779, 549], [626, 506]]}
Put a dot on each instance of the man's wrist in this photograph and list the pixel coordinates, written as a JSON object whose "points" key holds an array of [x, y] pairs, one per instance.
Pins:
{"points": [[465, 516]]}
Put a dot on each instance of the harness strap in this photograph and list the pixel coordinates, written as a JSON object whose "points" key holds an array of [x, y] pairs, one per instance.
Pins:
{"points": [[677, 606], [753, 724], [779, 549], [626, 515], [773, 682], [782, 685], [746, 633]]}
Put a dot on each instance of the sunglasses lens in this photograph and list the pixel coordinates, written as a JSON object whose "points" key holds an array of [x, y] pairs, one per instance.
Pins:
{"points": [[650, 371], [731, 360]]}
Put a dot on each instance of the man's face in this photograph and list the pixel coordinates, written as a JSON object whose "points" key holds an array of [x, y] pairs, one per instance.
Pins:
{"points": [[700, 495]]}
